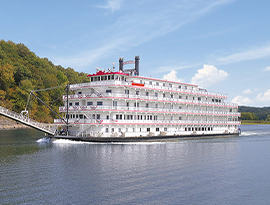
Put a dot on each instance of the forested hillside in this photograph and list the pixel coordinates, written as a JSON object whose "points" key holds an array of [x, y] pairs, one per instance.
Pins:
{"points": [[22, 71], [254, 113]]}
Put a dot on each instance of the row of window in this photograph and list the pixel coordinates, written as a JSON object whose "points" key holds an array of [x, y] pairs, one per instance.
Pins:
{"points": [[107, 77], [157, 129]]}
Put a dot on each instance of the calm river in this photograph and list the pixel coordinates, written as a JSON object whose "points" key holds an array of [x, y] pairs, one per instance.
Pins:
{"points": [[233, 170]]}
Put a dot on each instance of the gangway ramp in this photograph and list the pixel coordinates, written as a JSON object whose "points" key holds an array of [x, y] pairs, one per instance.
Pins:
{"points": [[44, 127]]}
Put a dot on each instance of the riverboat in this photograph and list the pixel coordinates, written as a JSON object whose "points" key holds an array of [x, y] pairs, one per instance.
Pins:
{"points": [[116, 106]]}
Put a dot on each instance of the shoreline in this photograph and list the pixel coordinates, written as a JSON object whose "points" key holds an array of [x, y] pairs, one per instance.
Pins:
{"points": [[8, 124]]}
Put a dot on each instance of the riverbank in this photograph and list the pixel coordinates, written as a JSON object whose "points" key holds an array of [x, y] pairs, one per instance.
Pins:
{"points": [[254, 122], [8, 124]]}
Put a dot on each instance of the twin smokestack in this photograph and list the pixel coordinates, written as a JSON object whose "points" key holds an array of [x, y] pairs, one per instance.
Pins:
{"points": [[121, 64]]}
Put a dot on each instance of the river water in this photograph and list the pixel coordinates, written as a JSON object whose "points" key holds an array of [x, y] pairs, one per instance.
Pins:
{"points": [[234, 170]]}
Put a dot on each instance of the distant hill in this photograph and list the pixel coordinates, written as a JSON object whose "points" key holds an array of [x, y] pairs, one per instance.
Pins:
{"points": [[22, 71], [261, 113]]}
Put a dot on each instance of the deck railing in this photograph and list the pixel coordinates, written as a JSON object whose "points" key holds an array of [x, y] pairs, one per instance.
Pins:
{"points": [[47, 128]]}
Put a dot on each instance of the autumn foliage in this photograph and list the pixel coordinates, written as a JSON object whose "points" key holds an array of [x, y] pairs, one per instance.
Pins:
{"points": [[22, 71]]}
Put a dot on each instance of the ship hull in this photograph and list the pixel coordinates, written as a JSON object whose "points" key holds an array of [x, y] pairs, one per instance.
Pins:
{"points": [[141, 139]]}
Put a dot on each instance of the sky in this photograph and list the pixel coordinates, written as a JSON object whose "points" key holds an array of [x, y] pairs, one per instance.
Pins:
{"points": [[220, 45]]}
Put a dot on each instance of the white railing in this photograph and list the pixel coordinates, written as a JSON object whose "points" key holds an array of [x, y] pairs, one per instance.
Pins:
{"points": [[145, 97], [129, 83], [125, 121], [146, 109], [48, 128]]}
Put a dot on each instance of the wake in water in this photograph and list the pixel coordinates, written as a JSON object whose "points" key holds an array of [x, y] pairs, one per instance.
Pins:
{"points": [[254, 133], [44, 140]]}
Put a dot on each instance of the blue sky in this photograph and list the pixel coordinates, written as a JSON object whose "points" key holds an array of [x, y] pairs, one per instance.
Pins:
{"points": [[221, 45]]}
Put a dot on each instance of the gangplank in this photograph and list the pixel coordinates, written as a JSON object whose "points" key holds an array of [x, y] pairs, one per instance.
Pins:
{"points": [[49, 129]]}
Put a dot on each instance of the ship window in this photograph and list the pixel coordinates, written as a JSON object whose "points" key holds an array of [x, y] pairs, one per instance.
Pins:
{"points": [[108, 91], [70, 104], [112, 77], [94, 116], [148, 129], [76, 103], [187, 97], [199, 98], [81, 116], [107, 117], [171, 95], [114, 103], [193, 98], [185, 129], [156, 94], [107, 129], [157, 83], [92, 79], [165, 128], [185, 87], [213, 100], [180, 118], [99, 103], [112, 129], [170, 85], [79, 93], [164, 84], [98, 116], [146, 93], [119, 129], [180, 97], [127, 92], [157, 129], [89, 103], [117, 117], [156, 105], [150, 83], [98, 78], [179, 86], [146, 105], [127, 104], [189, 129], [102, 77], [137, 92], [164, 95], [219, 100], [109, 77]]}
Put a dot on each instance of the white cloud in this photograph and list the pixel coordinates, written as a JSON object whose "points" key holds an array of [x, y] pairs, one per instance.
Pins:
{"points": [[250, 54], [172, 76], [208, 75], [112, 5], [247, 91], [264, 97], [240, 100], [267, 68]]}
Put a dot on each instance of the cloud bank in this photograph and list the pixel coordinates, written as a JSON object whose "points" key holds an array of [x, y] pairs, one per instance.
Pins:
{"points": [[208, 76], [172, 76]]}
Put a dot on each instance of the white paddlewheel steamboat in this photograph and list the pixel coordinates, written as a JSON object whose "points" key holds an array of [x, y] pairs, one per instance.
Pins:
{"points": [[121, 105]]}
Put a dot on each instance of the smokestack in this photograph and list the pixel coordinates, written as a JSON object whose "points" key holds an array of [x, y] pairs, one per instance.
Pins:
{"points": [[121, 65], [137, 60]]}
